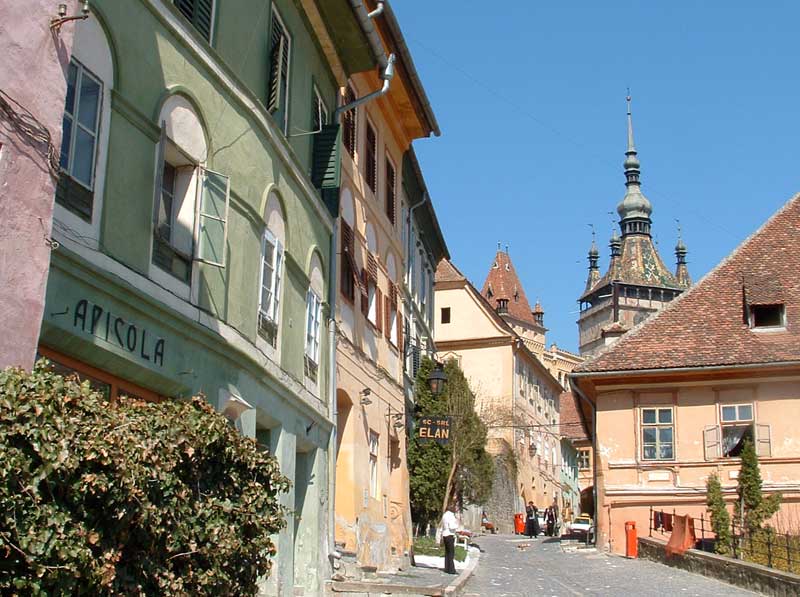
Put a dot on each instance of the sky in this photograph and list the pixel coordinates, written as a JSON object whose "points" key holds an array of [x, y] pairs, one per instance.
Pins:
{"points": [[530, 98]]}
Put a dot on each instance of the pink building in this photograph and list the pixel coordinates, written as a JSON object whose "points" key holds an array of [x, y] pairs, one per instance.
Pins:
{"points": [[33, 86]]}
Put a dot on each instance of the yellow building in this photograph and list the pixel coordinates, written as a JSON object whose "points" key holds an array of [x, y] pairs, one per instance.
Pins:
{"points": [[489, 334], [676, 397], [372, 514]]}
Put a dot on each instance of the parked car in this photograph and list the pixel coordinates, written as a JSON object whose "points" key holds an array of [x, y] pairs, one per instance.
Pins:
{"points": [[581, 525]]}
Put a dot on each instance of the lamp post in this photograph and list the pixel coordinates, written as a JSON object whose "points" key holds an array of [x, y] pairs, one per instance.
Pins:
{"points": [[437, 379]]}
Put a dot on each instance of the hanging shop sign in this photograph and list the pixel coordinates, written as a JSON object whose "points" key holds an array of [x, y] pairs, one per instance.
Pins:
{"points": [[435, 429], [101, 323]]}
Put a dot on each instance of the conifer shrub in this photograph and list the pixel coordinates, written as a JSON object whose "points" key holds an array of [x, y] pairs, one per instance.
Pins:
{"points": [[128, 498], [753, 510], [720, 518]]}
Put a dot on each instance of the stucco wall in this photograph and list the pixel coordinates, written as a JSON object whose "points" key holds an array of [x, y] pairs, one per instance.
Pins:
{"points": [[33, 74]]}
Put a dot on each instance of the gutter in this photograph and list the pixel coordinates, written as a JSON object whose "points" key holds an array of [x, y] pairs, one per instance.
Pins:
{"points": [[771, 365]]}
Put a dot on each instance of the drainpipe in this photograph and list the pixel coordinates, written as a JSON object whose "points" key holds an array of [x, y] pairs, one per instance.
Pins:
{"points": [[573, 382], [377, 11], [333, 408], [365, 20], [387, 75]]}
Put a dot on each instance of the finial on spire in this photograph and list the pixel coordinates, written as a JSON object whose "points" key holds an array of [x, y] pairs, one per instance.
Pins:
{"points": [[498, 245], [631, 146], [506, 248]]}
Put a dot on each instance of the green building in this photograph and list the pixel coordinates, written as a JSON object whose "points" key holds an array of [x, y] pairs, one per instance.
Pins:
{"points": [[193, 233]]}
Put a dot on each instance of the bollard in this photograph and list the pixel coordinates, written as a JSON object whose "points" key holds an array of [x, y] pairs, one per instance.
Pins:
{"points": [[631, 543]]}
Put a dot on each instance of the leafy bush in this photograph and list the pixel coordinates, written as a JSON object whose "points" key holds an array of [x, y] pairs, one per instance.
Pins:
{"points": [[129, 498]]}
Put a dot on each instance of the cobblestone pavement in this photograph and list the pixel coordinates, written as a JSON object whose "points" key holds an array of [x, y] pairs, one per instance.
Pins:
{"points": [[544, 569]]}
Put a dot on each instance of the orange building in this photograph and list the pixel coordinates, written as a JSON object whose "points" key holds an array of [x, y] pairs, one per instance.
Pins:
{"points": [[372, 513], [676, 397]]}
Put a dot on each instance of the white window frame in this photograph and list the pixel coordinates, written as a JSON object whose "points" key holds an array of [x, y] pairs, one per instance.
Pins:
{"points": [[313, 314], [272, 309], [74, 118], [657, 426], [737, 421], [321, 109]]}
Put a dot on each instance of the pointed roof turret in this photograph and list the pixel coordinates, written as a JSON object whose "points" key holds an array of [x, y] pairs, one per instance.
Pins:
{"points": [[594, 268], [681, 269], [634, 210], [504, 290]]}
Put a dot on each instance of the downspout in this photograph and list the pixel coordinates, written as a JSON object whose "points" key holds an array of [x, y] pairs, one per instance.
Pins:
{"points": [[387, 75], [378, 10], [574, 385], [333, 407]]}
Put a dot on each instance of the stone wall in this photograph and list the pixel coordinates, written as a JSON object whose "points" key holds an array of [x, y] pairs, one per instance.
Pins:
{"points": [[501, 506], [753, 577]]}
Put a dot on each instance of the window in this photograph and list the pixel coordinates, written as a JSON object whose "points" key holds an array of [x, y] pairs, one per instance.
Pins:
{"points": [[313, 312], [445, 314], [348, 264], [391, 201], [737, 426], [279, 61], [584, 462], [270, 287], [370, 280], [374, 443], [199, 13], [349, 123], [371, 158], [391, 329], [767, 316], [657, 434], [319, 111], [80, 124]]}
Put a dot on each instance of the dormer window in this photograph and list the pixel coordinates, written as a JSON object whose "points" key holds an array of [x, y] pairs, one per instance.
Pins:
{"points": [[502, 305], [767, 316]]}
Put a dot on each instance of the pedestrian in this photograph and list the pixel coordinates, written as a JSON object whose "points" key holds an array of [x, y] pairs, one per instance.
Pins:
{"points": [[530, 521], [449, 527], [550, 518]]}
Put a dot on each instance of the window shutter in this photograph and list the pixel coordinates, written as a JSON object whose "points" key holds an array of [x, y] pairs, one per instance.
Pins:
{"points": [[378, 310], [711, 441], [276, 61], [325, 171], [371, 165], [212, 217], [763, 441], [400, 340], [390, 192], [162, 144], [372, 267], [364, 293], [198, 12], [349, 123], [387, 317], [276, 287]]}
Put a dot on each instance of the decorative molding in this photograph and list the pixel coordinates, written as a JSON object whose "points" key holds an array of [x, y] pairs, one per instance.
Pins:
{"points": [[122, 106]]}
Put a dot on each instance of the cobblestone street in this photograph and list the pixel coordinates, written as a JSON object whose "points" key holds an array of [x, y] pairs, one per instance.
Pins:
{"points": [[544, 569]]}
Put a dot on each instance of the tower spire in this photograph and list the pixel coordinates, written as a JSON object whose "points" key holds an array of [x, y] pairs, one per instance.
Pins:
{"points": [[634, 210], [594, 269], [681, 269]]}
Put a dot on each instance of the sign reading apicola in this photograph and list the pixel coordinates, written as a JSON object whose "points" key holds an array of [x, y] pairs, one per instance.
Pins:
{"points": [[434, 428]]}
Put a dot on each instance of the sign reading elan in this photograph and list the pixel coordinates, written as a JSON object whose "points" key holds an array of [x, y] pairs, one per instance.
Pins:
{"points": [[435, 428]]}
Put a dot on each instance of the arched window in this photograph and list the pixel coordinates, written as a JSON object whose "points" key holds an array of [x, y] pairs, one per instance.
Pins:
{"points": [[273, 241], [313, 317], [86, 121], [347, 266], [183, 230], [392, 321]]}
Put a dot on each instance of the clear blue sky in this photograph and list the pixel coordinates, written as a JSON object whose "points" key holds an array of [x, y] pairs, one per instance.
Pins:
{"points": [[530, 97]]}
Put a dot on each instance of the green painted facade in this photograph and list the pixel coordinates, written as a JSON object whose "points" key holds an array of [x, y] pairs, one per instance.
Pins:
{"points": [[570, 490], [103, 309]]}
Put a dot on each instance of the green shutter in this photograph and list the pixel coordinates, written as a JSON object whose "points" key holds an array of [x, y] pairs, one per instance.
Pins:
{"points": [[212, 217], [198, 12], [325, 165]]}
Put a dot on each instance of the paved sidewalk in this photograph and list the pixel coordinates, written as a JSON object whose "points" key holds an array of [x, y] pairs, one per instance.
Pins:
{"points": [[543, 568]]}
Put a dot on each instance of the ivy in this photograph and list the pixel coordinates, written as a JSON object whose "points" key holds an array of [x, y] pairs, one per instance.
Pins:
{"points": [[129, 498]]}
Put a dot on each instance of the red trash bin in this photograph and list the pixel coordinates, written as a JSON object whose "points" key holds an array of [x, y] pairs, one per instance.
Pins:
{"points": [[631, 542], [519, 524]]}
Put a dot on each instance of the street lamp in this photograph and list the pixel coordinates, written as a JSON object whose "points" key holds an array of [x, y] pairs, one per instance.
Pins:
{"points": [[437, 379]]}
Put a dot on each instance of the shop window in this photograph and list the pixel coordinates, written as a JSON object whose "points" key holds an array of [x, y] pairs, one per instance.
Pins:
{"points": [[657, 434]]}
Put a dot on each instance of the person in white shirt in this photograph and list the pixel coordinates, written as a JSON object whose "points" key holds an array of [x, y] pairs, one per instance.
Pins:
{"points": [[449, 528]]}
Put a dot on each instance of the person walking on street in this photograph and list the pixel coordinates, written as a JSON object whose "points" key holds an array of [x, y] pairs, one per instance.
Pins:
{"points": [[550, 517], [531, 522], [449, 528]]}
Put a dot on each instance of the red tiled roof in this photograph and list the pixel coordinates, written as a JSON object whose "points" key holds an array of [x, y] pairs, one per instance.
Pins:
{"points": [[505, 284], [447, 272], [573, 423], [705, 326]]}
